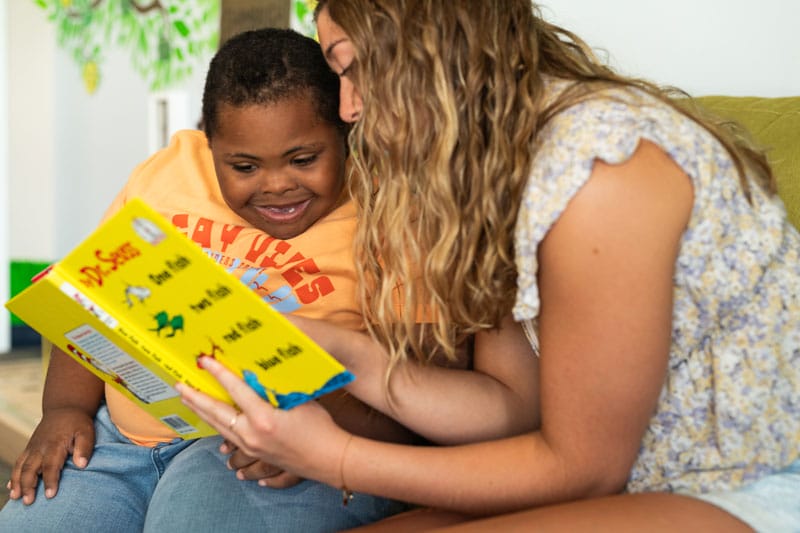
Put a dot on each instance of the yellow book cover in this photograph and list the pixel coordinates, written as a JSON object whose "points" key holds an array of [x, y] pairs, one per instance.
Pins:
{"points": [[138, 302]]}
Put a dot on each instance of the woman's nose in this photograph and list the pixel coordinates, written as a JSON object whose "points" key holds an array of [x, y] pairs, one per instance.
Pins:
{"points": [[349, 101]]}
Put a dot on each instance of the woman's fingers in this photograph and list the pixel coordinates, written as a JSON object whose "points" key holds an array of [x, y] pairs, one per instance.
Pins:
{"points": [[212, 411], [240, 391], [304, 439], [221, 416]]}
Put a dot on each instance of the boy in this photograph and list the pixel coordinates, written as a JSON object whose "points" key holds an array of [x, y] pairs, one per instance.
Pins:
{"points": [[263, 193]]}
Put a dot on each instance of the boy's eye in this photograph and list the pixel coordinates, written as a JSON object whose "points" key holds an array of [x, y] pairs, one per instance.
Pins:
{"points": [[243, 167], [304, 160]]}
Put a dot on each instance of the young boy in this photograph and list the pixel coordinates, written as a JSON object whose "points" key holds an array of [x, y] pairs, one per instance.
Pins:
{"points": [[263, 193]]}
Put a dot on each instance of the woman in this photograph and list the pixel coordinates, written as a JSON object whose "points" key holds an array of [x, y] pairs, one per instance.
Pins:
{"points": [[641, 242]]}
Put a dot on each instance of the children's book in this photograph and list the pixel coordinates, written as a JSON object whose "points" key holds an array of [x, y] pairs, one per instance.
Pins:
{"points": [[138, 302]]}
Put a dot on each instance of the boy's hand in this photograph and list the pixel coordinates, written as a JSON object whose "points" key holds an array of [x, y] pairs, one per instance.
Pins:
{"points": [[248, 468], [62, 431]]}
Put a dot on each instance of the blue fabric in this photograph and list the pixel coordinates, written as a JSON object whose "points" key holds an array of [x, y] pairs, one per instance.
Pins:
{"points": [[769, 505], [199, 493], [110, 494], [179, 486]]}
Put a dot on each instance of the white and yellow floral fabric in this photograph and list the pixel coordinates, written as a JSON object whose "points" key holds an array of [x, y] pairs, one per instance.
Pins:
{"points": [[729, 410]]}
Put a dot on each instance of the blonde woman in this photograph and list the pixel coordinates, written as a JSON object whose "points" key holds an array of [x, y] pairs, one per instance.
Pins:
{"points": [[642, 244]]}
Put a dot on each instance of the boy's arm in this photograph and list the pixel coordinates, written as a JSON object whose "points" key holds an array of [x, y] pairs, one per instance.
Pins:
{"points": [[70, 401]]}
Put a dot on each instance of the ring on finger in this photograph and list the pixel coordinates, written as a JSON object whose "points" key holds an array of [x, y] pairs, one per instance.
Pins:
{"points": [[234, 419]]}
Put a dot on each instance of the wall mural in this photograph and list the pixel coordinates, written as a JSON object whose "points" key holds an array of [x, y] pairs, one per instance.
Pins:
{"points": [[164, 36], [302, 17]]}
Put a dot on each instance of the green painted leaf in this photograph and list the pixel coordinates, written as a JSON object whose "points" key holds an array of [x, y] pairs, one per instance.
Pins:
{"points": [[181, 27], [301, 10], [163, 42]]}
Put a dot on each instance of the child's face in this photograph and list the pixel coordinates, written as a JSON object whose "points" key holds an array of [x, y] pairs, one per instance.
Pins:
{"points": [[280, 166]]}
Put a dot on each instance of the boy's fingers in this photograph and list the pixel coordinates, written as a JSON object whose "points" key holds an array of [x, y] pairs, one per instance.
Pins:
{"points": [[50, 470], [28, 496], [258, 470], [29, 479], [239, 460], [51, 474], [84, 446], [280, 481], [25, 477], [227, 447]]}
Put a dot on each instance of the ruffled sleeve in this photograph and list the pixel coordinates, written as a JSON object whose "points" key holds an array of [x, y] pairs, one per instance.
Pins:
{"points": [[609, 127]]}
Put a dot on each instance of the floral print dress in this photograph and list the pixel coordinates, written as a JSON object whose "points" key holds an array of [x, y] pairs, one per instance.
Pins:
{"points": [[729, 409]]}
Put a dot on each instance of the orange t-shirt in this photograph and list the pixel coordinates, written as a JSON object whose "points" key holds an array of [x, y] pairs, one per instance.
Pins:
{"points": [[312, 274]]}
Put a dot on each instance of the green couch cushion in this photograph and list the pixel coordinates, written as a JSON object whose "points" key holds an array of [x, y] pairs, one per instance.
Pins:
{"points": [[775, 125]]}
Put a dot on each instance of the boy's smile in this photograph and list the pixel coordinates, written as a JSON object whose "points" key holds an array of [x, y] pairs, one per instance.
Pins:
{"points": [[279, 165]]}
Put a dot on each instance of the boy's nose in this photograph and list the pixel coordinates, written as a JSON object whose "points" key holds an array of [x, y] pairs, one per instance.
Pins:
{"points": [[277, 182]]}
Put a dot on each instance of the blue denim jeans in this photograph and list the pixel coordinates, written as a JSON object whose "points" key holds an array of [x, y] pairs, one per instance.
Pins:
{"points": [[180, 486], [199, 493]]}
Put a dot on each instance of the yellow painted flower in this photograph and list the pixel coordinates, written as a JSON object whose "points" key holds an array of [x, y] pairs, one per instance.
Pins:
{"points": [[91, 75]]}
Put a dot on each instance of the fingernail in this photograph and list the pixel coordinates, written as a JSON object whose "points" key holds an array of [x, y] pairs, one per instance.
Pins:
{"points": [[80, 462], [49, 493]]}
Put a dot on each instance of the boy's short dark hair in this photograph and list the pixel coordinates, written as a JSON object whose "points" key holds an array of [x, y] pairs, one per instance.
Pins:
{"points": [[261, 67]]}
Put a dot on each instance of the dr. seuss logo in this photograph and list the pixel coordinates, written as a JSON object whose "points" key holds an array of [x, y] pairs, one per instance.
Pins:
{"points": [[110, 261]]}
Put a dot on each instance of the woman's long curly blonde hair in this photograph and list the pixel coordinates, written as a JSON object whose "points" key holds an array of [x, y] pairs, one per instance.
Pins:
{"points": [[453, 99]]}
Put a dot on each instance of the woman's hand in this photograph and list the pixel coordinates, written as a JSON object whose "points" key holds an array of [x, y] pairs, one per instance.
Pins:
{"points": [[303, 441]]}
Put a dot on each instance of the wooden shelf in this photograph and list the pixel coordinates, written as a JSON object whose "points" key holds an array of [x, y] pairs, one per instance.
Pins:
{"points": [[21, 383]]}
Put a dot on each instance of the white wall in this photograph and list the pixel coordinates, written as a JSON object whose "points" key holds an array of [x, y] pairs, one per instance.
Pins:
{"points": [[31, 97], [734, 47], [5, 218], [71, 151]]}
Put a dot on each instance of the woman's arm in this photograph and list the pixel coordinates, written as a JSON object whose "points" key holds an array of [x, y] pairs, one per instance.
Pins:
{"points": [[506, 372], [605, 325], [498, 397]]}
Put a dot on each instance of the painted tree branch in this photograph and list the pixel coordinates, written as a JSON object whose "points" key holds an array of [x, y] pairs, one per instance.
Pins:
{"points": [[155, 4]]}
